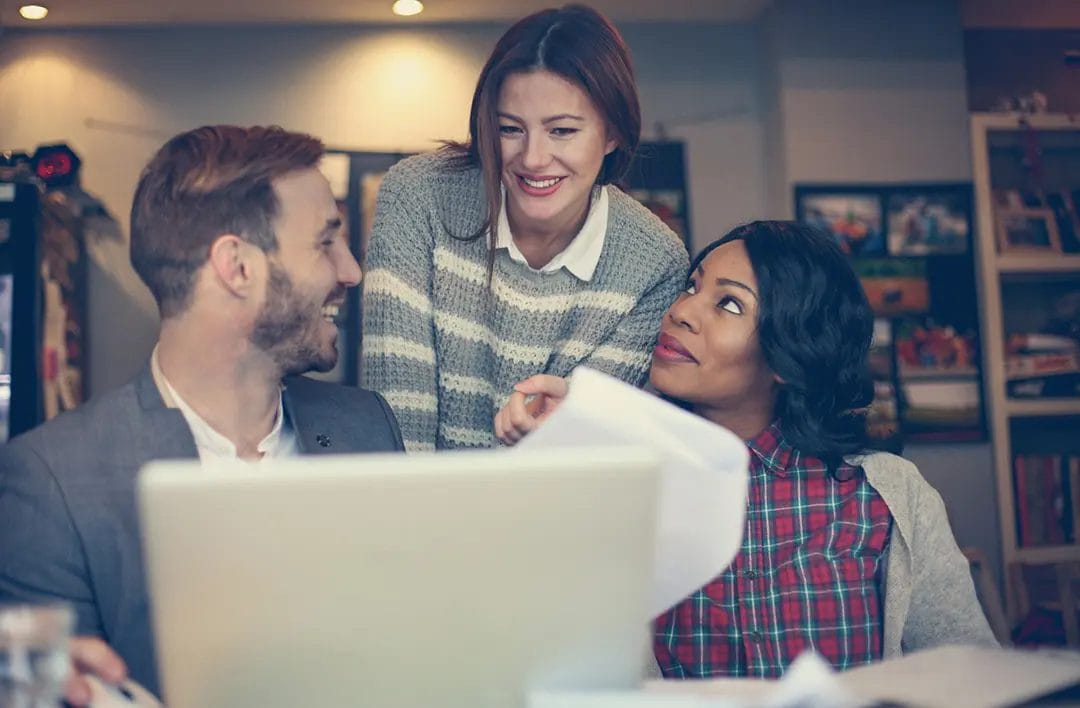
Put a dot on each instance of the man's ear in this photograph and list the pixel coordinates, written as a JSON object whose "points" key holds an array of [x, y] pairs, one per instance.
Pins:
{"points": [[233, 264]]}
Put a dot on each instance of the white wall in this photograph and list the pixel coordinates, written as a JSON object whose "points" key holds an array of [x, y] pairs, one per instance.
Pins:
{"points": [[869, 91], [116, 95], [874, 91], [701, 84]]}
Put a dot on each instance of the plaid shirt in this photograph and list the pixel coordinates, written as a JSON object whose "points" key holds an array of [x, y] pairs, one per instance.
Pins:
{"points": [[806, 576]]}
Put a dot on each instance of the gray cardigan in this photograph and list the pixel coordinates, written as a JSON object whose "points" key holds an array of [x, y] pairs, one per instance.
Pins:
{"points": [[929, 595]]}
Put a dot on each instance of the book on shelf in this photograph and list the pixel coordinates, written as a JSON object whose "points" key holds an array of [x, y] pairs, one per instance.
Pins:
{"points": [[1050, 386], [1041, 365], [1047, 499], [1040, 342], [1023, 366]]}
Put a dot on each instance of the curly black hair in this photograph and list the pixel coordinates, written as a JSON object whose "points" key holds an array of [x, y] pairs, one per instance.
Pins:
{"points": [[814, 329]]}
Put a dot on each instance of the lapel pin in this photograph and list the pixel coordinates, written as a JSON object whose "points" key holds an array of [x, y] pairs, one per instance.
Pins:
{"points": [[323, 440]]}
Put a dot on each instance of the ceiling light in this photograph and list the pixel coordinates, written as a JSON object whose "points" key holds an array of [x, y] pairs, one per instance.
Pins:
{"points": [[33, 12], [407, 8]]}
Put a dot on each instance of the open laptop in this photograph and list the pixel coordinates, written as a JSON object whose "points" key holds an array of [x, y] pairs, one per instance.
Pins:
{"points": [[442, 579]]}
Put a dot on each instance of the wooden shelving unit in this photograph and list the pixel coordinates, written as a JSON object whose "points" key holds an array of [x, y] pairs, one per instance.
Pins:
{"points": [[1026, 408], [998, 271], [1060, 263]]}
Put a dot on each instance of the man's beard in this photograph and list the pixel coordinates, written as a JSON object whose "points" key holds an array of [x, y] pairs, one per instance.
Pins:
{"points": [[287, 328]]}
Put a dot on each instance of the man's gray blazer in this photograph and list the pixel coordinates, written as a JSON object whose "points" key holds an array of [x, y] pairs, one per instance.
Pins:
{"points": [[68, 527]]}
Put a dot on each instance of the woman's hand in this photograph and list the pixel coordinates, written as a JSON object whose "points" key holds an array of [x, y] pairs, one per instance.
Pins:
{"points": [[532, 401]]}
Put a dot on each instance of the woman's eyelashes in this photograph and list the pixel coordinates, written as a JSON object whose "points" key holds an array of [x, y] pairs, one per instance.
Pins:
{"points": [[560, 132], [730, 304]]}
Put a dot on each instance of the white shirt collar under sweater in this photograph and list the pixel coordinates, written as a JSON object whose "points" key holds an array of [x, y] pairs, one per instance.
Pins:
{"points": [[581, 256], [212, 445]]}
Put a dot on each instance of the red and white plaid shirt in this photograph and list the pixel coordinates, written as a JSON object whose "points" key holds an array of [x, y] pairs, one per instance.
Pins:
{"points": [[807, 576]]}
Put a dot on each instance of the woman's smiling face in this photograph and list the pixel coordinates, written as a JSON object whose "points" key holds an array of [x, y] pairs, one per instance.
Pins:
{"points": [[553, 143]]}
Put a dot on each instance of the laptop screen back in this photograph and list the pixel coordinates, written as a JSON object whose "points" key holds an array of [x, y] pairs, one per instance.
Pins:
{"points": [[445, 579]]}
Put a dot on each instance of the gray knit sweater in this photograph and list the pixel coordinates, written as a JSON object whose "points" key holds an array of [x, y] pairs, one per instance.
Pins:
{"points": [[446, 352]]}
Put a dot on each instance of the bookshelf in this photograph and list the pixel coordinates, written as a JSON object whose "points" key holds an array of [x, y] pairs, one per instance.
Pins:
{"points": [[1019, 281], [1060, 263], [1020, 408]]}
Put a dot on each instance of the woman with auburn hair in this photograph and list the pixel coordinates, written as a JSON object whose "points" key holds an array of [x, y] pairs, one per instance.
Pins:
{"points": [[514, 254], [845, 551]]}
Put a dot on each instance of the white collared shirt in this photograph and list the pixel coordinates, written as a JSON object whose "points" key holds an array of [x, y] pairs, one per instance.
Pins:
{"points": [[212, 445], [581, 256]]}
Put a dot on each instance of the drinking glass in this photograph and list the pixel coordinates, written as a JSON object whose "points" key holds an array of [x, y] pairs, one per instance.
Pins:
{"points": [[34, 660]]}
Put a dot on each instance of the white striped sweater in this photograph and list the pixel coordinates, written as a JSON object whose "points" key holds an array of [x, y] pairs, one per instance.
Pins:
{"points": [[446, 351]]}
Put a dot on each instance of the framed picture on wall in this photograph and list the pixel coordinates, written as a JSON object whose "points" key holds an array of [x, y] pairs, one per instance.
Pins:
{"points": [[894, 285], [910, 245], [657, 178], [853, 217], [928, 221], [883, 418]]}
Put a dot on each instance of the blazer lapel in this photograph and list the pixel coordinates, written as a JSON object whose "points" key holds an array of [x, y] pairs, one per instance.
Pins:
{"points": [[166, 434], [316, 432]]}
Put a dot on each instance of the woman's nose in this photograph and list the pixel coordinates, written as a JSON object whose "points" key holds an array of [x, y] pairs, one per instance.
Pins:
{"points": [[537, 155], [681, 313]]}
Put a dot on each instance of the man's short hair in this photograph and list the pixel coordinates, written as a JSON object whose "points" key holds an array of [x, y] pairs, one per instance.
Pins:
{"points": [[200, 185]]}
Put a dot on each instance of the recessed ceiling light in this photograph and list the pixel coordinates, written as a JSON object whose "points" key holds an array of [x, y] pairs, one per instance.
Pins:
{"points": [[407, 8], [33, 12]]}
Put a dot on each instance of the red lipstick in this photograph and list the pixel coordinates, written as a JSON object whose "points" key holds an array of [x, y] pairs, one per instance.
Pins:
{"points": [[668, 348]]}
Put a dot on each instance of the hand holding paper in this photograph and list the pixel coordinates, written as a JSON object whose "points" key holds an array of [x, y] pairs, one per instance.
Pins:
{"points": [[703, 478]]}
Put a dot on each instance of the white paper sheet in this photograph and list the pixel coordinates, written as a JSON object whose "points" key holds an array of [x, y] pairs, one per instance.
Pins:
{"points": [[943, 677], [809, 683], [979, 677], [703, 479]]}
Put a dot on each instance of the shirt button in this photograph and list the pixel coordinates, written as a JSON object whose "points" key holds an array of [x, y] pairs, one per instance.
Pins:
{"points": [[750, 574], [752, 636]]}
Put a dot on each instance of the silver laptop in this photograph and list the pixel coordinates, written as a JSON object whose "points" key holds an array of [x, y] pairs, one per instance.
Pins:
{"points": [[442, 579]]}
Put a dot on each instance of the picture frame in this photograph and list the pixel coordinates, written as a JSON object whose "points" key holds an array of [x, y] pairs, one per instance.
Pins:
{"points": [[1067, 217], [853, 216], [894, 286], [882, 417], [928, 221], [656, 177], [917, 269], [1027, 231]]}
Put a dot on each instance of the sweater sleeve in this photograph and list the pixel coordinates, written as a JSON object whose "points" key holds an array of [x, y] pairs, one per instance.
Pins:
{"points": [[398, 359], [627, 352], [944, 607]]}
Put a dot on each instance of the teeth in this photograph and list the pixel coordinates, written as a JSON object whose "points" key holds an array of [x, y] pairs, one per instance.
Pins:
{"points": [[541, 184], [330, 311]]}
